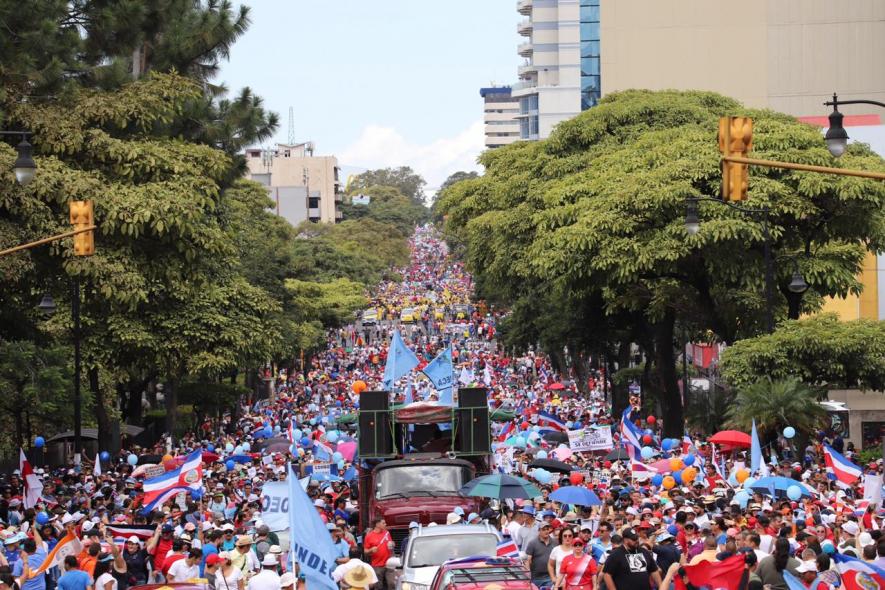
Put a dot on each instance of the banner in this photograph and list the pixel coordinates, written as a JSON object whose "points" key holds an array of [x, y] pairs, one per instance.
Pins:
{"points": [[275, 505], [311, 544], [872, 489], [590, 439]]}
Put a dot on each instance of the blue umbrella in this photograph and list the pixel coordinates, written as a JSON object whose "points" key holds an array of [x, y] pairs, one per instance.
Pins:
{"points": [[576, 495], [776, 486]]}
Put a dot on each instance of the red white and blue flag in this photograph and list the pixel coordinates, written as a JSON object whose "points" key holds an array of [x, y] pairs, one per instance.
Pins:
{"points": [[639, 469], [546, 420], [163, 488], [858, 574], [505, 432], [630, 435], [841, 468], [508, 548]]}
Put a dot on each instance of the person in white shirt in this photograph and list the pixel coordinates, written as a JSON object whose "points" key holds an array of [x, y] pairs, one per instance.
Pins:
{"points": [[267, 578], [187, 568]]}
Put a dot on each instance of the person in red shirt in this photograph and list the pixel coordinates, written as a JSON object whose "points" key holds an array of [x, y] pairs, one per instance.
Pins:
{"points": [[578, 570], [377, 546], [160, 544]]}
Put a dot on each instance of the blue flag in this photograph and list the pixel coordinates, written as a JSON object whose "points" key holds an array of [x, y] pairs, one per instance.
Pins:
{"points": [[400, 360], [408, 396], [310, 542], [757, 465], [440, 373]]}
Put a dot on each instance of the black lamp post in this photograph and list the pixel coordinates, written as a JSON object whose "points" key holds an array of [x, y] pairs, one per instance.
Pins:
{"points": [[24, 167], [837, 137]]}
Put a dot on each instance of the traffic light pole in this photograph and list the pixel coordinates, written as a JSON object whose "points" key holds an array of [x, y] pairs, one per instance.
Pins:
{"points": [[804, 167], [48, 240], [75, 313]]}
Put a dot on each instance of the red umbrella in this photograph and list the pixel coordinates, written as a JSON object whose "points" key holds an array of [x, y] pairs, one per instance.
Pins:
{"points": [[556, 387], [210, 457], [732, 438]]}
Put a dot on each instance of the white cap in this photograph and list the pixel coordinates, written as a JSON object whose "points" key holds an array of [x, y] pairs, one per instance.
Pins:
{"points": [[88, 526], [269, 560], [807, 566], [319, 503], [850, 527], [287, 579], [67, 518], [208, 526], [134, 539], [227, 527]]}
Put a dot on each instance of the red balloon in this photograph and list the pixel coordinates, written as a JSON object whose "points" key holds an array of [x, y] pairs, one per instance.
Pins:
{"points": [[607, 464], [576, 477], [555, 486], [524, 425], [651, 420], [646, 438]]}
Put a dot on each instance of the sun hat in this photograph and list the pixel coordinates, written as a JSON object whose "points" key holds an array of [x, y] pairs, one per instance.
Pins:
{"points": [[244, 541], [287, 579], [269, 560], [358, 577]]}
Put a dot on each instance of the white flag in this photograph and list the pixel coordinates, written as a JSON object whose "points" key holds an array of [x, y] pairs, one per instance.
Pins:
{"points": [[96, 471], [33, 485]]}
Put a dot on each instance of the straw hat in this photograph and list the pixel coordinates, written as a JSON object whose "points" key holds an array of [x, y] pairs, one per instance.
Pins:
{"points": [[244, 540], [358, 577]]}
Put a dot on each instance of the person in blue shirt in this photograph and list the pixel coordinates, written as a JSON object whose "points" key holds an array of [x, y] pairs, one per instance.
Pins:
{"points": [[210, 547], [35, 552], [342, 548], [74, 578]]}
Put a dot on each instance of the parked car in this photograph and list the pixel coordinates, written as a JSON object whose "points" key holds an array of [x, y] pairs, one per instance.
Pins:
{"points": [[473, 573]]}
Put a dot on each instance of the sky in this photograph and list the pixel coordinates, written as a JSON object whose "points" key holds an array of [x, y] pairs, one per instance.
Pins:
{"points": [[379, 83]]}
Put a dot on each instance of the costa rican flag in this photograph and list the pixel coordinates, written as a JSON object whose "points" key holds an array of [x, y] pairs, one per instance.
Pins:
{"points": [[124, 531], [640, 470], [858, 574], [505, 432], [844, 470], [550, 421], [508, 548], [189, 476], [290, 431], [630, 434]]}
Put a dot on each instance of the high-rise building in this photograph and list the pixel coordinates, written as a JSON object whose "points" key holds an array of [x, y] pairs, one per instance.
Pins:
{"points": [[303, 186], [561, 73], [500, 110]]}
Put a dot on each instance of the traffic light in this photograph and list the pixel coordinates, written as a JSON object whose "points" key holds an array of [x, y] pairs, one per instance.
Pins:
{"points": [[735, 140], [81, 216]]}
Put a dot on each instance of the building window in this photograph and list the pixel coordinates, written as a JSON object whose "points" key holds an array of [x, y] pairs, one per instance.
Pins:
{"points": [[590, 50], [524, 128], [589, 31], [533, 126], [589, 66]]}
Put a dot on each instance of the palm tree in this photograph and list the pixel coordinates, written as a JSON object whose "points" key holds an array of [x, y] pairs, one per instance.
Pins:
{"points": [[775, 405]]}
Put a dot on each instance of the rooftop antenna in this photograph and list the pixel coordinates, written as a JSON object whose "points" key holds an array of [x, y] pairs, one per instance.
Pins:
{"points": [[291, 126]]}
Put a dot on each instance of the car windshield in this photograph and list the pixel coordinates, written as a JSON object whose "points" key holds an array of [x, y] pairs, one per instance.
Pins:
{"points": [[433, 551], [421, 480]]}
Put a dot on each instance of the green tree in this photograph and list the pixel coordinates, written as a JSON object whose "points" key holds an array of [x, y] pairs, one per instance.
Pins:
{"points": [[404, 179], [456, 177], [597, 210], [820, 350], [774, 405]]}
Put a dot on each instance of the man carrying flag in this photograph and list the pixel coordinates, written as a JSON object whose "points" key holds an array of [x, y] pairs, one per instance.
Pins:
{"points": [[163, 488]]}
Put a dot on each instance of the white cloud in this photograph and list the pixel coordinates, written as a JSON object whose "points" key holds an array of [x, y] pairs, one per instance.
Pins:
{"points": [[381, 147]]}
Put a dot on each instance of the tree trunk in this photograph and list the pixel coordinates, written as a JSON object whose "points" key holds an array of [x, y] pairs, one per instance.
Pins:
{"points": [[170, 393], [621, 391], [133, 404], [670, 396], [581, 372], [19, 425], [101, 410]]}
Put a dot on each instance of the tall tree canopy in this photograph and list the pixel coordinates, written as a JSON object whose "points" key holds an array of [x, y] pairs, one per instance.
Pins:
{"points": [[404, 179], [597, 211]]}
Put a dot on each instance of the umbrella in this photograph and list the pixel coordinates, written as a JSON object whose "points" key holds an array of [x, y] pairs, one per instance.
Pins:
{"points": [[732, 438], [551, 465], [555, 436], [502, 414], [618, 454], [776, 486], [500, 486], [555, 387], [281, 443], [576, 495], [347, 449]]}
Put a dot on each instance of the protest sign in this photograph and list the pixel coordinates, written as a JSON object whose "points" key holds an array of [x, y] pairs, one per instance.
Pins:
{"points": [[590, 439]]}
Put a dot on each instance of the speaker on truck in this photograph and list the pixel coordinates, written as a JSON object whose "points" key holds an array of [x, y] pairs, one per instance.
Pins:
{"points": [[375, 437], [473, 436]]}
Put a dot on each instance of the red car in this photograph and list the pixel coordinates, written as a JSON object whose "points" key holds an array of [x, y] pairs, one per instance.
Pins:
{"points": [[498, 573]]}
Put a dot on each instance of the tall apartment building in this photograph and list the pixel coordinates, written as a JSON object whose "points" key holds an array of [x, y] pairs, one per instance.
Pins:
{"points": [[500, 112], [303, 186], [561, 73]]}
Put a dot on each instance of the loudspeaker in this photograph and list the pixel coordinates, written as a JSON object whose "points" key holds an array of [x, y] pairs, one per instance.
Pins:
{"points": [[473, 436], [375, 437]]}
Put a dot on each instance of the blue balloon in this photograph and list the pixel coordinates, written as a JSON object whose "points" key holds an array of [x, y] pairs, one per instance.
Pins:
{"points": [[542, 476], [336, 456], [341, 464], [578, 425], [541, 455], [794, 493], [519, 442], [677, 475], [276, 429], [666, 444], [569, 424], [39, 442], [657, 480], [649, 431], [647, 452], [313, 421], [332, 436], [210, 447], [268, 432], [742, 497], [229, 447], [305, 442], [246, 447], [688, 459], [297, 434], [789, 432], [197, 494], [238, 450], [42, 518], [132, 460], [104, 456], [230, 465]]}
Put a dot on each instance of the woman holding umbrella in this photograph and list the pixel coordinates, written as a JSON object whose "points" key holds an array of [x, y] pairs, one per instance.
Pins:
{"points": [[578, 570]]}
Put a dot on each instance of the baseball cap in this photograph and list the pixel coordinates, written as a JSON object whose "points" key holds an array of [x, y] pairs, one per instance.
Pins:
{"points": [[213, 559], [319, 503], [528, 510], [629, 533]]}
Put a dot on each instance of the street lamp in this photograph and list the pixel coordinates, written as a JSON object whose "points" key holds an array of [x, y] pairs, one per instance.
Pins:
{"points": [[24, 167], [797, 283], [837, 137], [47, 305], [692, 223]]}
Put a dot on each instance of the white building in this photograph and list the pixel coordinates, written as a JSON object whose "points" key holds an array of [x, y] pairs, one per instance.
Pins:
{"points": [[500, 111]]}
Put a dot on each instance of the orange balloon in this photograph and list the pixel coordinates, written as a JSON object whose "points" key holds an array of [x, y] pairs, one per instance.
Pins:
{"points": [[167, 457], [669, 482], [688, 474], [359, 387], [741, 475], [675, 464]]}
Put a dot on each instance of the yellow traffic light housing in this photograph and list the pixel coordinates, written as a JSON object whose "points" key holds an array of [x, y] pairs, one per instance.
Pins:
{"points": [[81, 217], [736, 141]]}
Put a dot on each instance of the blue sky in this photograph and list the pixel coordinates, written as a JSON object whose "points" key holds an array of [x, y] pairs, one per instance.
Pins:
{"points": [[380, 83]]}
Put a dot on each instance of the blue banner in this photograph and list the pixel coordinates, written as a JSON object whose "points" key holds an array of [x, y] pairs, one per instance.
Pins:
{"points": [[440, 373], [310, 542], [400, 360]]}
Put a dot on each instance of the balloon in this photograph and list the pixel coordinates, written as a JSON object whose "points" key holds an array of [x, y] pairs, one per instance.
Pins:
{"points": [[576, 477], [238, 450], [649, 431], [748, 483], [210, 447], [524, 426], [229, 447], [688, 474], [542, 476], [519, 442], [358, 387], [268, 432], [541, 455], [741, 475], [651, 420], [647, 438], [332, 436], [297, 434], [132, 460], [230, 465], [688, 459], [607, 464], [675, 464], [336, 456], [789, 432], [742, 498], [794, 493], [167, 457], [197, 494], [341, 464], [39, 442], [669, 483], [104, 456], [276, 429], [305, 441], [42, 518], [313, 421], [647, 452], [677, 475], [570, 425], [657, 479], [246, 447], [578, 425], [666, 444]]}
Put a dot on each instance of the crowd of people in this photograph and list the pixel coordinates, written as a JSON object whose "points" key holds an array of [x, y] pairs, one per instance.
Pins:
{"points": [[642, 534]]}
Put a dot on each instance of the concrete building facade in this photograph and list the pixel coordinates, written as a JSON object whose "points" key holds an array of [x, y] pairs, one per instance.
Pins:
{"points": [[303, 186], [560, 76], [500, 110]]}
